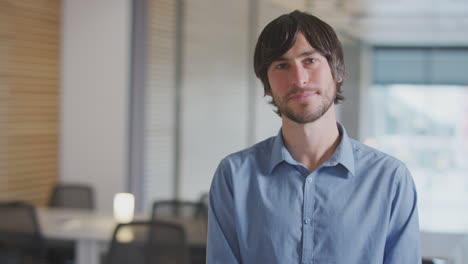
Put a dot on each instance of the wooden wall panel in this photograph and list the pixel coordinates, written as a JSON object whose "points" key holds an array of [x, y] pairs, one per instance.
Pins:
{"points": [[29, 98]]}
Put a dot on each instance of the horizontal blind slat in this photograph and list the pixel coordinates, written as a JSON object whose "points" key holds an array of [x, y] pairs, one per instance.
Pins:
{"points": [[29, 78]]}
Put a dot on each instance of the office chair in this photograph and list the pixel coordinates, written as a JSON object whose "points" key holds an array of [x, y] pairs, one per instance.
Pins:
{"points": [[176, 209], [204, 203], [69, 196], [184, 209], [20, 235], [148, 242], [77, 196]]}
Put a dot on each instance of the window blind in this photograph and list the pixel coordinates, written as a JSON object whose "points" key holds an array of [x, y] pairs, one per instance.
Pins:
{"points": [[29, 55], [444, 65], [159, 106]]}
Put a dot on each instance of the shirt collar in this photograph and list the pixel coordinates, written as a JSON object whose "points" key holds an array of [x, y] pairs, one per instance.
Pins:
{"points": [[279, 152], [343, 154]]}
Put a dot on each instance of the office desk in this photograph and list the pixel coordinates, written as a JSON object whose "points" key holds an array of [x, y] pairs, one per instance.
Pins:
{"points": [[92, 230]]}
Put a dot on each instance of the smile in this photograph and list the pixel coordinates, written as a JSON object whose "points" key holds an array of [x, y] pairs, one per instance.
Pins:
{"points": [[302, 96]]}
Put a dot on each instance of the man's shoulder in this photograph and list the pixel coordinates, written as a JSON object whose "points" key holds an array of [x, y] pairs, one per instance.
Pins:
{"points": [[369, 156], [376, 166], [254, 155]]}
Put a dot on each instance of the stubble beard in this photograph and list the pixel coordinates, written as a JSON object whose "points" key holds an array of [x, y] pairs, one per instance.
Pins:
{"points": [[303, 116]]}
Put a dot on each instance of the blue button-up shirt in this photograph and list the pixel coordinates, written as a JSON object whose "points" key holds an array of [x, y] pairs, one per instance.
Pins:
{"points": [[358, 207]]}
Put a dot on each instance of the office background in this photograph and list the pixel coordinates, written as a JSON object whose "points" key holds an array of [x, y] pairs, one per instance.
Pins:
{"points": [[148, 96]]}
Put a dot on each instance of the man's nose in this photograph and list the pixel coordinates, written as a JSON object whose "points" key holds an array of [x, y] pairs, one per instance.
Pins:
{"points": [[299, 76]]}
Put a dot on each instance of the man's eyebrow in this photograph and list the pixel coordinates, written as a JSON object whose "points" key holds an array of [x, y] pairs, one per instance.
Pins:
{"points": [[302, 55]]}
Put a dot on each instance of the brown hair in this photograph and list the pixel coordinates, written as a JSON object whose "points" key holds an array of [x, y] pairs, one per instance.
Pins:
{"points": [[280, 35]]}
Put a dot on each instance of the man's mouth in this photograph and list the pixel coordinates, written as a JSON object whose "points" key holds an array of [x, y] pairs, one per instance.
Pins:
{"points": [[302, 95]]}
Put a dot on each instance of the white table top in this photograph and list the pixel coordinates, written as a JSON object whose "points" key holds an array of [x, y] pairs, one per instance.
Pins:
{"points": [[75, 224]]}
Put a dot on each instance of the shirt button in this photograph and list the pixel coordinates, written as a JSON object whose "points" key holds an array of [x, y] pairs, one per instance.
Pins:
{"points": [[307, 221], [309, 179]]}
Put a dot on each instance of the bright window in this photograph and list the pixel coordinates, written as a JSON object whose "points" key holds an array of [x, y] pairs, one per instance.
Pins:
{"points": [[426, 126]]}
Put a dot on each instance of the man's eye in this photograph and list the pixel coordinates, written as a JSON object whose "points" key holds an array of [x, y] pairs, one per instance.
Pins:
{"points": [[281, 66], [310, 60]]}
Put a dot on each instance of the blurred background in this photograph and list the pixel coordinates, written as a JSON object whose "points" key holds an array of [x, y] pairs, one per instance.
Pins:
{"points": [[147, 96]]}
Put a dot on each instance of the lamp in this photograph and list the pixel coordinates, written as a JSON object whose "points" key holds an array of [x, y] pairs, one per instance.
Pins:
{"points": [[124, 204]]}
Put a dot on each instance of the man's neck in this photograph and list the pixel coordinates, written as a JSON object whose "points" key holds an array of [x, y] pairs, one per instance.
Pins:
{"points": [[313, 143]]}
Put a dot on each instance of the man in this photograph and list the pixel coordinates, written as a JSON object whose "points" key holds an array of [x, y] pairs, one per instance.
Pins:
{"points": [[311, 194]]}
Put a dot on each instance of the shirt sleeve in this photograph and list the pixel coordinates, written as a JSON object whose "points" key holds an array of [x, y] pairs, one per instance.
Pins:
{"points": [[403, 245], [222, 238]]}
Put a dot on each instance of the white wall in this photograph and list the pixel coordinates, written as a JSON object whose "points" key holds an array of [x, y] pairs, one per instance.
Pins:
{"points": [[94, 94], [214, 89]]}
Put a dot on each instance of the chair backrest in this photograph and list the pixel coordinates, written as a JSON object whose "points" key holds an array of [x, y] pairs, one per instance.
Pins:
{"points": [[148, 242], [204, 204], [176, 208], [205, 199], [78, 196], [20, 230]]}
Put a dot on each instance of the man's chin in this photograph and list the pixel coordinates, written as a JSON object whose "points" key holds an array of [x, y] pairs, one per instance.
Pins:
{"points": [[302, 118]]}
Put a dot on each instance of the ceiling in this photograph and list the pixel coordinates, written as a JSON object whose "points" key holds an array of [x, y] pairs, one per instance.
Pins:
{"points": [[393, 22]]}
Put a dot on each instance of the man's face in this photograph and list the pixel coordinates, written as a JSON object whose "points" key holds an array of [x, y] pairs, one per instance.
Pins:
{"points": [[301, 82]]}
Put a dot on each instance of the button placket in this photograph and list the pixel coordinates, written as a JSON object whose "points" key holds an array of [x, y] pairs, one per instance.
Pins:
{"points": [[308, 227]]}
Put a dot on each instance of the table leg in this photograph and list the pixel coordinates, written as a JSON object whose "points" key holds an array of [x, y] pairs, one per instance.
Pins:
{"points": [[87, 252]]}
